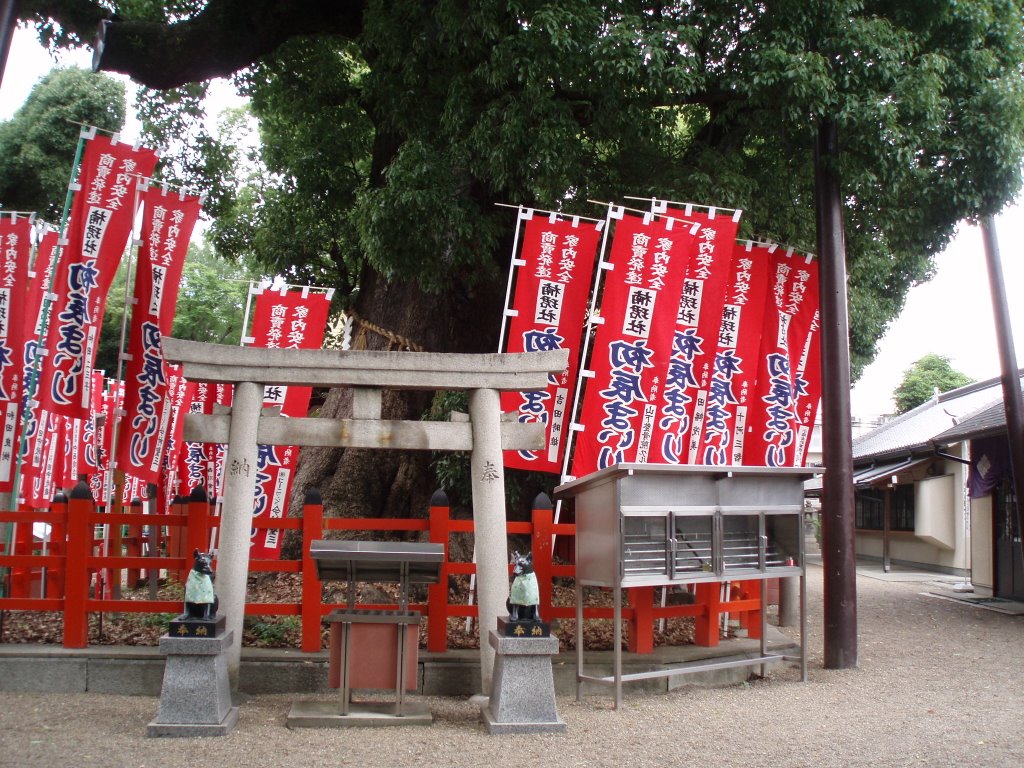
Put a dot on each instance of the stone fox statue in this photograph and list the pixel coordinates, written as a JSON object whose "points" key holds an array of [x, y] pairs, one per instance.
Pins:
{"points": [[524, 597], [200, 601]]}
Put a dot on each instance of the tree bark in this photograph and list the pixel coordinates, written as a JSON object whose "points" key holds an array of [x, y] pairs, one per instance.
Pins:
{"points": [[226, 36], [382, 483]]}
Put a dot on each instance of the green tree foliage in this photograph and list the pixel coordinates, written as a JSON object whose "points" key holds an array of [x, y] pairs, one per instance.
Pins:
{"points": [[389, 147], [391, 130], [37, 145], [930, 374], [212, 297]]}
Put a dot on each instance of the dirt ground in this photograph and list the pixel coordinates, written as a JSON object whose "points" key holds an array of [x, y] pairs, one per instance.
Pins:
{"points": [[937, 683]]}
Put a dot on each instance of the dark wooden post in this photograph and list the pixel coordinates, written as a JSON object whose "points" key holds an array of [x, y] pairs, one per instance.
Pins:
{"points": [[8, 21], [1013, 402], [837, 540]]}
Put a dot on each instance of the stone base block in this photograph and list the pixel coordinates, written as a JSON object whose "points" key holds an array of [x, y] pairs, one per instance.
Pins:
{"points": [[195, 698], [523, 687], [191, 730], [326, 714]]}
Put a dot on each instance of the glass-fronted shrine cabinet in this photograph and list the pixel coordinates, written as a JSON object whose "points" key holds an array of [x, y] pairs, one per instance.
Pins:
{"points": [[640, 525]]}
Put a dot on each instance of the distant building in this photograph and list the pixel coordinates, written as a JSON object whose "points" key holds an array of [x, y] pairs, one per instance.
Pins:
{"points": [[997, 565], [912, 478]]}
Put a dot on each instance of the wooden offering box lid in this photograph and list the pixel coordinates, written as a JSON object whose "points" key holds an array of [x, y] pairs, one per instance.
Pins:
{"points": [[378, 561]]}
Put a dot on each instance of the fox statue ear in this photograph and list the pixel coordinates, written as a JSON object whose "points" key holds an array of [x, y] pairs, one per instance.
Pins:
{"points": [[195, 552]]}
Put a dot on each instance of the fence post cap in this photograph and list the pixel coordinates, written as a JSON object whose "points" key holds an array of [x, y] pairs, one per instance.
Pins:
{"points": [[136, 502], [81, 491], [198, 494], [439, 499], [542, 501], [59, 497], [313, 496]]}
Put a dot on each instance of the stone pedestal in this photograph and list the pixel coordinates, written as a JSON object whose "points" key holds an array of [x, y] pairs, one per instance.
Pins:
{"points": [[523, 688], [195, 698]]}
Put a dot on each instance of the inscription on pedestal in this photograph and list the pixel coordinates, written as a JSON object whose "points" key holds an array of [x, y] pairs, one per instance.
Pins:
{"points": [[186, 626], [507, 628]]}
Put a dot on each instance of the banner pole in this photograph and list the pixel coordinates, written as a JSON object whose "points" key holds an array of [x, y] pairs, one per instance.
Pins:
{"points": [[246, 339], [525, 214]]}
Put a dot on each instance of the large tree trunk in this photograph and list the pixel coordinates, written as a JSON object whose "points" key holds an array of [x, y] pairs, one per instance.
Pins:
{"points": [[384, 483]]}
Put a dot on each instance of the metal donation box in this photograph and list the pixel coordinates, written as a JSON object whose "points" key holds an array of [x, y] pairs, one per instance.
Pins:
{"points": [[372, 649], [640, 525]]}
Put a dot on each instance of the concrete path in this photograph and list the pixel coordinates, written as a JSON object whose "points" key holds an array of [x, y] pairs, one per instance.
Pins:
{"points": [[940, 682]]}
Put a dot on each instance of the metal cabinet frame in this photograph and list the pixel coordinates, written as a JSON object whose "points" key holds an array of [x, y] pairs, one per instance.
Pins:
{"points": [[606, 500]]}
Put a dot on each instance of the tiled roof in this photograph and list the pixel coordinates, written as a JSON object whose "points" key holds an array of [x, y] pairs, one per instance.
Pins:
{"points": [[986, 421], [913, 432]]}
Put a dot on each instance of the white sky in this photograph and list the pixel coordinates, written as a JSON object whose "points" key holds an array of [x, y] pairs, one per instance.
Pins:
{"points": [[950, 315]]}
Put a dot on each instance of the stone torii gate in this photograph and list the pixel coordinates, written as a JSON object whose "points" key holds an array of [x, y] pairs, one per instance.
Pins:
{"points": [[244, 426]]}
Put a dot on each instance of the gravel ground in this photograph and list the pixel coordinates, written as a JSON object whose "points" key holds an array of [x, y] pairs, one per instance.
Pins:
{"points": [[939, 683]]}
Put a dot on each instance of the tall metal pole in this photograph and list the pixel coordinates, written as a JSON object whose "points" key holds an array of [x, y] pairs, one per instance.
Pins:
{"points": [[1013, 402], [837, 550]]}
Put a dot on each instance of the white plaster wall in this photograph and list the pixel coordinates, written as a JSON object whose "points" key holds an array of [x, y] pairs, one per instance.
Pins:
{"points": [[981, 543]]}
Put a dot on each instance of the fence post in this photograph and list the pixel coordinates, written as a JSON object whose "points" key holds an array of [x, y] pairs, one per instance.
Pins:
{"points": [[312, 528], [21, 577], [58, 546], [176, 535], [134, 543], [198, 534], [705, 629], [750, 620], [437, 594], [543, 516], [641, 624], [76, 590]]}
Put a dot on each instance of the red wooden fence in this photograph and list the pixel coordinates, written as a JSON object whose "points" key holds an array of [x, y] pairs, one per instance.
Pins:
{"points": [[76, 569]]}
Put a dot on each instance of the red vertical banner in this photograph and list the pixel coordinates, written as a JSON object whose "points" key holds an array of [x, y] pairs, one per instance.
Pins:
{"points": [[39, 484], [735, 369], [98, 230], [805, 346], [167, 223], [773, 429], [201, 464], [555, 269], [38, 281], [688, 378], [180, 392], [15, 253], [633, 343], [95, 448], [282, 320]]}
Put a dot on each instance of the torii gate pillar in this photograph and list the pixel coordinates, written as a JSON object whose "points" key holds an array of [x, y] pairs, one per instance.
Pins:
{"points": [[488, 482], [236, 513]]}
